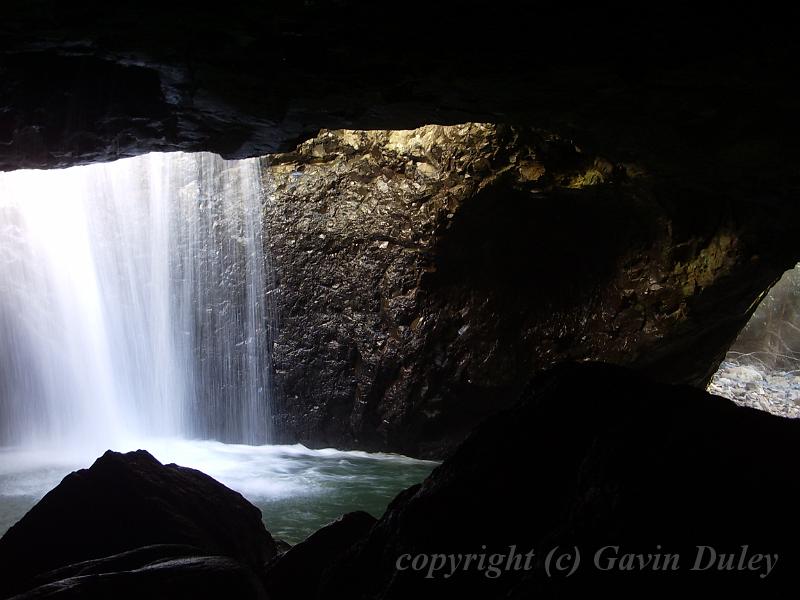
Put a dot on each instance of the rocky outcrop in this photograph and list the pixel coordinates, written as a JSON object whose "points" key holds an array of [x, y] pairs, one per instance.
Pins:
{"points": [[424, 276], [594, 456], [688, 85], [129, 522], [298, 572]]}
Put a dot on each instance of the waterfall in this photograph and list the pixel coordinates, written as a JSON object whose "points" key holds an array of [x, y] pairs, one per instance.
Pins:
{"points": [[135, 302]]}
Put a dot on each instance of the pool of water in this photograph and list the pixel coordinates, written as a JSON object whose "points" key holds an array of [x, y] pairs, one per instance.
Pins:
{"points": [[297, 489]]}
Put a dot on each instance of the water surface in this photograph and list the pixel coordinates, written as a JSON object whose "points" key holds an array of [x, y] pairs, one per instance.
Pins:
{"points": [[297, 489]]}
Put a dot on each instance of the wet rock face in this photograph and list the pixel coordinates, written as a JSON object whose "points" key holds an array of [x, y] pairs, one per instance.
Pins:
{"points": [[423, 276]]}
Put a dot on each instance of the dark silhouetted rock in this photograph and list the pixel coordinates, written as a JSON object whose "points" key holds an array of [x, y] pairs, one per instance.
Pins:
{"points": [[298, 572], [187, 578], [595, 456], [124, 561], [126, 502], [92, 81]]}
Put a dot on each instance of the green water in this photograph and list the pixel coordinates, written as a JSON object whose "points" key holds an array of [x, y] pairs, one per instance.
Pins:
{"points": [[297, 489]]}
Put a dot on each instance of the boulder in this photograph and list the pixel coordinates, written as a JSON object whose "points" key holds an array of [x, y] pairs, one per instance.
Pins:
{"points": [[125, 502], [297, 573], [595, 456]]}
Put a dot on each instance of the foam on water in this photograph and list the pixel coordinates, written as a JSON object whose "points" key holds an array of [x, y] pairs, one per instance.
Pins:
{"points": [[134, 301], [297, 489], [136, 312]]}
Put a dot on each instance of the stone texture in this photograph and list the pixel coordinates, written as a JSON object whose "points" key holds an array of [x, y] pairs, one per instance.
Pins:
{"points": [[125, 502], [424, 276], [298, 572], [751, 384], [594, 455]]}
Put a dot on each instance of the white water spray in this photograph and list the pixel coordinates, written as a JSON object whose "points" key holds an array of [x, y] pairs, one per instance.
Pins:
{"points": [[134, 302]]}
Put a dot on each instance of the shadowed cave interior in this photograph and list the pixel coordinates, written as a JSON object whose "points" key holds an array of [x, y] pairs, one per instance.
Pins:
{"points": [[296, 298]]}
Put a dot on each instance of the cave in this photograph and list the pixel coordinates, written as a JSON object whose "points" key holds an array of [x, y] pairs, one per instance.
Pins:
{"points": [[336, 299]]}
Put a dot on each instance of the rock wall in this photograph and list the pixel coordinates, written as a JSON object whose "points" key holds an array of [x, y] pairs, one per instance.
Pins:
{"points": [[423, 276]]}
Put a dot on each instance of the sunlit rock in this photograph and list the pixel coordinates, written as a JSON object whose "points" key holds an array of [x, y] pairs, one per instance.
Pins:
{"points": [[425, 275]]}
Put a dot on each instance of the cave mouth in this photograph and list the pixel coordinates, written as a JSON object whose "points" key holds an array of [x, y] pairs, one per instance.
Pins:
{"points": [[137, 311], [762, 368]]}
